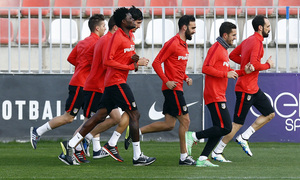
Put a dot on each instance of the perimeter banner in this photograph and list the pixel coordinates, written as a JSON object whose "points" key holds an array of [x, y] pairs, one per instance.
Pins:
{"points": [[283, 91], [32, 100]]}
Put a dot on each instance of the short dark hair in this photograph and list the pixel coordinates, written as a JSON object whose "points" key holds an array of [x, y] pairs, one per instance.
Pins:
{"points": [[259, 20], [185, 20], [111, 22], [95, 20], [136, 13], [226, 27], [120, 14]]}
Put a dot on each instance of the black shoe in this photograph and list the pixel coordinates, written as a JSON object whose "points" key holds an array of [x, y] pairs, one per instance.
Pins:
{"points": [[144, 160], [67, 155], [128, 138], [113, 152], [81, 157], [188, 161], [100, 154]]}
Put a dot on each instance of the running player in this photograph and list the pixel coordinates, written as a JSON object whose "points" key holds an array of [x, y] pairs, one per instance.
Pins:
{"points": [[247, 91], [118, 60], [137, 15], [75, 100], [217, 70], [174, 55]]}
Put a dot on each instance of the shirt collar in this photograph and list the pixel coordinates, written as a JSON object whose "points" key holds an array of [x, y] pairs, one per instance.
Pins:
{"points": [[223, 42], [95, 35], [258, 36], [182, 42]]}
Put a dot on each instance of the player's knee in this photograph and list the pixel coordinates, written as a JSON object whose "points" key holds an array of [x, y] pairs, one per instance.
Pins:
{"points": [[169, 127], [271, 116], [69, 119]]}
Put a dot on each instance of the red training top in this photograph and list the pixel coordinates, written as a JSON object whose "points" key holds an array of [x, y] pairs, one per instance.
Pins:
{"points": [[174, 55], [250, 50], [216, 66], [118, 58], [78, 59], [95, 80]]}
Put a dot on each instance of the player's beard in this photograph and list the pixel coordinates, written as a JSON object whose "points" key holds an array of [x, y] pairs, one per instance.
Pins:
{"points": [[188, 34], [265, 35]]}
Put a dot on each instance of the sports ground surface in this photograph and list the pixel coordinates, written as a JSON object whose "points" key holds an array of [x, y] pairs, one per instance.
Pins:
{"points": [[269, 161]]}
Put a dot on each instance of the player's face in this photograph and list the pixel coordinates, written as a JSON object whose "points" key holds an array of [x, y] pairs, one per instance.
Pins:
{"points": [[102, 28], [191, 29], [266, 28], [231, 37], [138, 24], [129, 21]]}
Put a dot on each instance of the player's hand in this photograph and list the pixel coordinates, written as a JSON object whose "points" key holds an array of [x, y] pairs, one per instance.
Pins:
{"points": [[232, 74], [171, 84], [143, 61], [189, 81], [135, 58], [249, 68], [271, 62], [136, 67]]}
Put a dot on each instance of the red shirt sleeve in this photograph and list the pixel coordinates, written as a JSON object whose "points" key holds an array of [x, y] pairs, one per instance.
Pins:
{"points": [[73, 56], [235, 55], [163, 55], [255, 58]]}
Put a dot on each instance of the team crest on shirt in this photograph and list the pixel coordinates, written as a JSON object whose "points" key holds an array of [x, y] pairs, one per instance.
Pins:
{"points": [[75, 110], [223, 105], [248, 98], [184, 108], [133, 104]]}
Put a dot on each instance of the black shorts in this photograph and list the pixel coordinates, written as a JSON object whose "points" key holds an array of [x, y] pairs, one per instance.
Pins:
{"points": [[91, 103], [244, 102], [119, 95], [174, 104], [75, 100], [220, 115]]}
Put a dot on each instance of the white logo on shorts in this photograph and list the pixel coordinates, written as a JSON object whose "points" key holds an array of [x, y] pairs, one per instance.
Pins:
{"points": [[184, 108], [223, 105], [75, 110], [248, 98], [133, 104]]}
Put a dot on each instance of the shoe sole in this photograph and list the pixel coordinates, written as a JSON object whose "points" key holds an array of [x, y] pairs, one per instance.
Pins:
{"points": [[114, 157], [31, 129], [100, 157], [62, 160], [145, 164], [226, 161]]}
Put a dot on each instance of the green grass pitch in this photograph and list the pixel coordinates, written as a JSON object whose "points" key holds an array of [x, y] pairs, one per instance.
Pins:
{"points": [[269, 161]]}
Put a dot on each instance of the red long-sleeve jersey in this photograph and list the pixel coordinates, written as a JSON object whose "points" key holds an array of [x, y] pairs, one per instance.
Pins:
{"points": [[250, 50], [215, 67], [174, 55], [78, 59], [118, 58], [95, 80]]}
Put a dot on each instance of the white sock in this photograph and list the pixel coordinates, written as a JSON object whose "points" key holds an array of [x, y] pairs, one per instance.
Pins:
{"points": [[136, 150], [114, 139], [78, 147], [183, 156], [96, 144], [194, 136], [89, 136], [201, 158], [220, 147], [246, 135], [75, 140], [44, 128]]}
